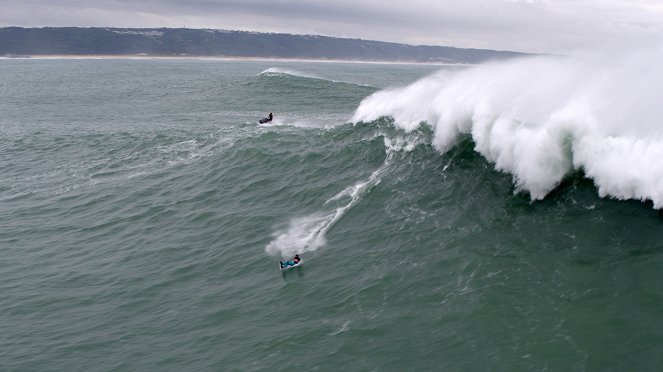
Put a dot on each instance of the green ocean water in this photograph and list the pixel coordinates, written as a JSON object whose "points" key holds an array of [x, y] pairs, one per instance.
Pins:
{"points": [[143, 212]]}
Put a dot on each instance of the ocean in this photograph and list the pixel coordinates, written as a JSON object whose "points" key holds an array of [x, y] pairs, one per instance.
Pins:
{"points": [[498, 217]]}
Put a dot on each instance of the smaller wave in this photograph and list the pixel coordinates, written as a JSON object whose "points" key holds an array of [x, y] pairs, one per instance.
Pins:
{"points": [[285, 72], [277, 71], [319, 121]]}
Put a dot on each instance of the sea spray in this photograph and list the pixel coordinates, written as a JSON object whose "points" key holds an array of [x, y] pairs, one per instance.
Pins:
{"points": [[542, 118]]}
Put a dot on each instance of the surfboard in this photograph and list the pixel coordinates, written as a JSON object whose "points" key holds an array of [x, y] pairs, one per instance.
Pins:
{"points": [[291, 266], [264, 120]]}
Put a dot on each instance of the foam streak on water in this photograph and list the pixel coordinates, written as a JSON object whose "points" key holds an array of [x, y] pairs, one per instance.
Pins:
{"points": [[542, 118], [307, 233]]}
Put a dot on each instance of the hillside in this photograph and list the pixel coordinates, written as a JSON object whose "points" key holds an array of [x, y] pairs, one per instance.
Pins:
{"points": [[194, 42]]}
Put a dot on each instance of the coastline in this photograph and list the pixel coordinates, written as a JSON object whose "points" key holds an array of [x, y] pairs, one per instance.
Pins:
{"points": [[214, 58]]}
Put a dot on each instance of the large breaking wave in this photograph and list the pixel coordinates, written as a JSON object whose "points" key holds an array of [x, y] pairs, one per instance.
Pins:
{"points": [[542, 118]]}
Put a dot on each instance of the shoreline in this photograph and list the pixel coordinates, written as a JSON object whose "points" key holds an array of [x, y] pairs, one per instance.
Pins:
{"points": [[213, 58]]}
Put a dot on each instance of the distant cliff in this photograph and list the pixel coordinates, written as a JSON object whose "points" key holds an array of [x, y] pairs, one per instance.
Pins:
{"points": [[193, 42]]}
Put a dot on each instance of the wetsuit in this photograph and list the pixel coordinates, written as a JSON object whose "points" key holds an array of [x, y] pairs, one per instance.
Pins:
{"points": [[294, 262]]}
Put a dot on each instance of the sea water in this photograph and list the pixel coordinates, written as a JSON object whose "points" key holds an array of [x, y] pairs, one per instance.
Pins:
{"points": [[495, 217]]}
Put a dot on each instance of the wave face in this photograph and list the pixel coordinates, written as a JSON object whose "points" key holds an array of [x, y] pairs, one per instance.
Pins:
{"points": [[305, 234], [542, 118]]}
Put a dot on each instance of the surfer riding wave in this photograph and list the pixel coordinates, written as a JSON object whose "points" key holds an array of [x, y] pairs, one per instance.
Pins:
{"points": [[268, 119], [296, 260]]}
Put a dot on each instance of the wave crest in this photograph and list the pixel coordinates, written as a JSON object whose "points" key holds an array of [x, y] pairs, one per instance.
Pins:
{"points": [[542, 118], [277, 71]]}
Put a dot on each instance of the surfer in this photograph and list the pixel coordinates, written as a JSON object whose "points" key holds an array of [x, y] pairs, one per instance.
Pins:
{"points": [[294, 262], [268, 119]]}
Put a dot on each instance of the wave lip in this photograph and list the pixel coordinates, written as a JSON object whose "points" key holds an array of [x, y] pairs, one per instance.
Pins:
{"points": [[542, 118], [278, 71]]}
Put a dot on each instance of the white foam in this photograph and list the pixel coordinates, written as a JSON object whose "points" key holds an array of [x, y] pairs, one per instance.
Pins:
{"points": [[541, 118]]}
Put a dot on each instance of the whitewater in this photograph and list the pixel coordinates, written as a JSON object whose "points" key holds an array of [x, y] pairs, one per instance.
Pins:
{"points": [[543, 118]]}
